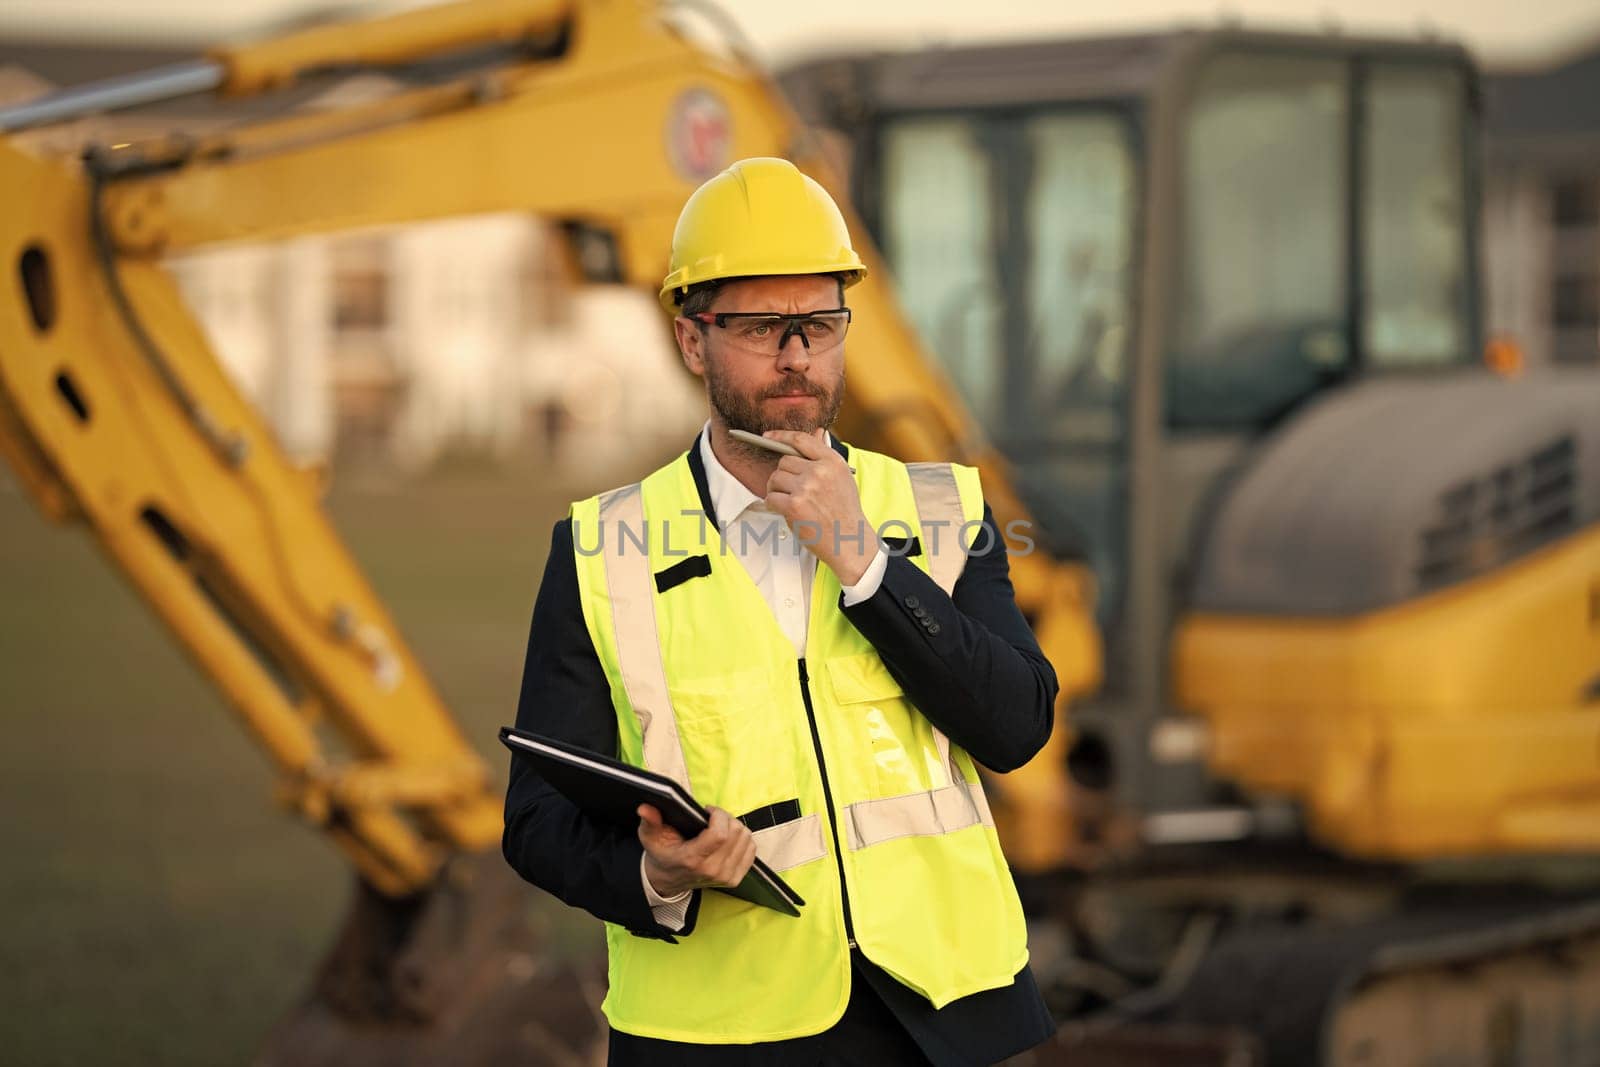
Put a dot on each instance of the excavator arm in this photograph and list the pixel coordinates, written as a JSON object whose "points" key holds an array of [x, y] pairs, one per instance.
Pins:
{"points": [[114, 411]]}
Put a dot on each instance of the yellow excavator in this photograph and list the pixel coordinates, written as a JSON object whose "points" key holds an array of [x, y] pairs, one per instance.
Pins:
{"points": [[1323, 591]]}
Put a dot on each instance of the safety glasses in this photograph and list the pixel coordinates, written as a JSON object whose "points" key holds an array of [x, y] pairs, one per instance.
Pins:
{"points": [[764, 334]]}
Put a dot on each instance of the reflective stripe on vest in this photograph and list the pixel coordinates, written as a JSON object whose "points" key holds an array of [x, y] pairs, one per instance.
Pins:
{"points": [[959, 804], [644, 676], [789, 844], [633, 619]]}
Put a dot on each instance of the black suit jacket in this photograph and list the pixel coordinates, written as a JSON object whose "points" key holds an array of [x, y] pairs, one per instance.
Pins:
{"points": [[968, 661]]}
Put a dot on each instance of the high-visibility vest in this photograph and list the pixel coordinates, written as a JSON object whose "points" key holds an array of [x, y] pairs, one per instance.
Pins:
{"points": [[708, 691]]}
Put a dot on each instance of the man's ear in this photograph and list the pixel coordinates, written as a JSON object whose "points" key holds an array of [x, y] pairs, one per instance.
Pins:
{"points": [[691, 345]]}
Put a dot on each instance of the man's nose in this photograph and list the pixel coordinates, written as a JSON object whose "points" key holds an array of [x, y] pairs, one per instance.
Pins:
{"points": [[794, 352]]}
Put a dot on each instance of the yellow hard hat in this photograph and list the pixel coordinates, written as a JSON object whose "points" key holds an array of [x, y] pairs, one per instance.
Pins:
{"points": [[758, 217]]}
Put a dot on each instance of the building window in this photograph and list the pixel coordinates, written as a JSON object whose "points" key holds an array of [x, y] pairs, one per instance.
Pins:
{"points": [[1575, 203], [360, 283], [1575, 303], [1575, 270]]}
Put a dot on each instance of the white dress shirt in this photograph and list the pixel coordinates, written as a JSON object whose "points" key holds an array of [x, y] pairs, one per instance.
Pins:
{"points": [[782, 569]]}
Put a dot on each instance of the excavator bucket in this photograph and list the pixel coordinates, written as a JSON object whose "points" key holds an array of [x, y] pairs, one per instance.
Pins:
{"points": [[453, 975]]}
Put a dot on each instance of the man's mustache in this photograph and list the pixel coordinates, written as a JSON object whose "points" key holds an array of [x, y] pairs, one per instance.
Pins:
{"points": [[793, 388]]}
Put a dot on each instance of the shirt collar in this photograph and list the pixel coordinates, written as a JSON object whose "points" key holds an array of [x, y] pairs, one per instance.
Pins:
{"points": [[729, 497]]}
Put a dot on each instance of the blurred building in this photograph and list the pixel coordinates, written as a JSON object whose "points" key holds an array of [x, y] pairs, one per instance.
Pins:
{"points": [[1542, 208], [400, 346]]}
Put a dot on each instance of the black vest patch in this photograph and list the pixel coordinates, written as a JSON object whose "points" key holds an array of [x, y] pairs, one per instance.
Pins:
{"points": [[682, 571]]}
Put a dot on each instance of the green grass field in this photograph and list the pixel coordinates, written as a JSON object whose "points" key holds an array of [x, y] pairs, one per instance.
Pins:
{"points": [[159, 909]]}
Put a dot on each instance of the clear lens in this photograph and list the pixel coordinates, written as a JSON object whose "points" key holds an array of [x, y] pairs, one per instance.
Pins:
{"points": [[764, 335]]}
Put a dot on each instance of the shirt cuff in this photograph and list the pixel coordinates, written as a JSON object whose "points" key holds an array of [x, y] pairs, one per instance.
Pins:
{"points": [[869, 581], [671, 912]]}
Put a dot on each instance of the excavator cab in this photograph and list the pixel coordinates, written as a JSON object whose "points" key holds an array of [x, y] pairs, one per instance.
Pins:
{"points": [[1215, 298], [1164, 243], [1213, 295], [1149, 264]]}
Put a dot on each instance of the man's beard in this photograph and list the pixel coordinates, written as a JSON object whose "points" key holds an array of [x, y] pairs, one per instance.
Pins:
{"points": [[744, 413]]}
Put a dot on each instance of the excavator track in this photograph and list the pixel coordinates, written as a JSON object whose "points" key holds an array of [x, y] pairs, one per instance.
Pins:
{"points": [[1502, 979]]}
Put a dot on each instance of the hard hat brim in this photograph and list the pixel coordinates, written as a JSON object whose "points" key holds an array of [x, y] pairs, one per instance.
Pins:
{"points": [[676, 288]]}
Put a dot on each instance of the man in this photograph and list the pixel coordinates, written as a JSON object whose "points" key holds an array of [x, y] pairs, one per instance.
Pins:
{"points": [[819, 646]]}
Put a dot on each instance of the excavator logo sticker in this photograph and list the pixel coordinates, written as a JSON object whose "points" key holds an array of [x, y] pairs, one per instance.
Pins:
{"points": [[699, 132]]}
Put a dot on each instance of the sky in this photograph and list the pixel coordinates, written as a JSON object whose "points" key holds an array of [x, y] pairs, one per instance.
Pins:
{"points": [[1502, 33]]}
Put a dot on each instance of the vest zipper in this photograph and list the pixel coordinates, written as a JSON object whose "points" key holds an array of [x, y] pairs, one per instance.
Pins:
{"points": [[827, 798]]}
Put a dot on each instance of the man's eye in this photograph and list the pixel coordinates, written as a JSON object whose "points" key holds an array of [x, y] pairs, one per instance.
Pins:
{"points": [[758, 329], [820, 328]]}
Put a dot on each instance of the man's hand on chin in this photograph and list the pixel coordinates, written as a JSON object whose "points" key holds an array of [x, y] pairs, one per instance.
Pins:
{"points": [[816, 492]]}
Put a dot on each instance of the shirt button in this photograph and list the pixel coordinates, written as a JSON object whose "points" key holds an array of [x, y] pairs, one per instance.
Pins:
{"points": [[783, 533], [788, 601], [913, 603]]}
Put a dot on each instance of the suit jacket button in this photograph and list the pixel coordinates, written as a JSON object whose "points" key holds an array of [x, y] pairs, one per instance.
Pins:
{"points": [[921, 613], [933, 627], [913, 603]]}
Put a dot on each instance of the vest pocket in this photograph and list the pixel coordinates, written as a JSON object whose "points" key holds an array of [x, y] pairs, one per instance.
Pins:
{"points": [[728, 739], [860, 678], [874, 707]]}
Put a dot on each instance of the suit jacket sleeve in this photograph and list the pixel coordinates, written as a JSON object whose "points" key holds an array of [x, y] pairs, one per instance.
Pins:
{"points": [[968, 661], [565, 695]]}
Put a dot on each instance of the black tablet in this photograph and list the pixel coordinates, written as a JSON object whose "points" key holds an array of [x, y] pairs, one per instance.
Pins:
{"points": [[611, 791]]}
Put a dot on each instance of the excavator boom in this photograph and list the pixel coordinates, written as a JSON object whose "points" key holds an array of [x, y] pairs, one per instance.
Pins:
{"points": [[115, 412]]}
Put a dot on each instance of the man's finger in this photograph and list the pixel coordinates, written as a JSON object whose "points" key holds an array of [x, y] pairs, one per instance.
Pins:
{"points": [[653, 832], [782, 481], [732, 830], [779, 501], [738, 860], [707, 841], [812, 445], [649, 822], [747, 858]]}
